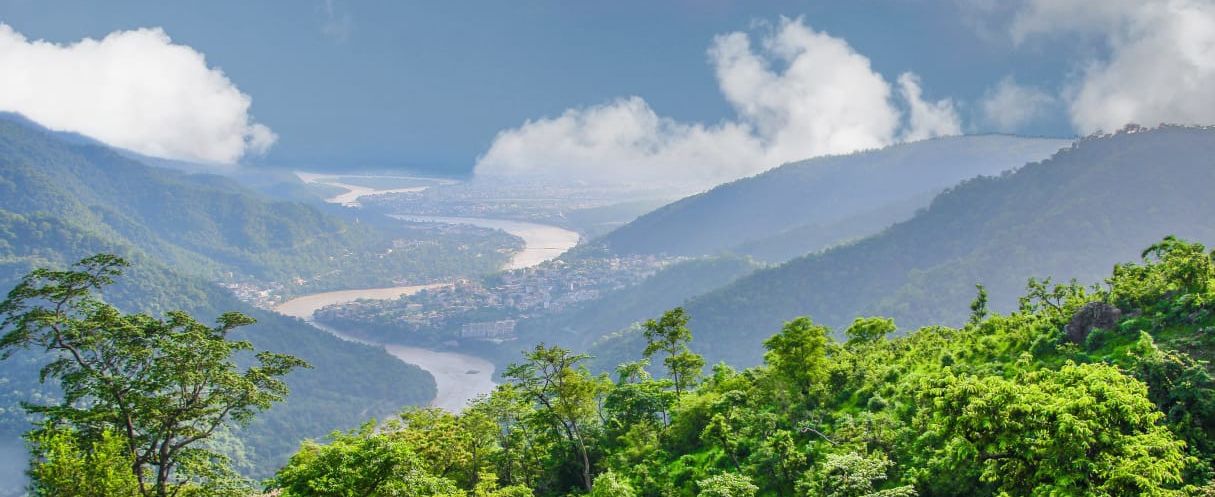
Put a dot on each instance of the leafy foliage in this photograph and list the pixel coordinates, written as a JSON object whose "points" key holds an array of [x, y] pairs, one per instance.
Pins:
{"points": [[65, 468], [165, 386], [1005, 405]]}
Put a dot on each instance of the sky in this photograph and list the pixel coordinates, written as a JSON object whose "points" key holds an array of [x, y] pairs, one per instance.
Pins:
{"points": [[635, 89]]}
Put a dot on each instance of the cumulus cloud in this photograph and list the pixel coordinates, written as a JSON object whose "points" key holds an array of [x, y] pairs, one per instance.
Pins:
{"points": [[132, 89], [798, 93], [1159, 66], [1009, 106], [926, 119]]}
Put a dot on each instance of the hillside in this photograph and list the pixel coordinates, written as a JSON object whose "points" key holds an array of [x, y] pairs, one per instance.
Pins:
{"points": [[1097, 392], [60, 202], [1072, 216], [209, 225], [831, 198], [670, 287]]}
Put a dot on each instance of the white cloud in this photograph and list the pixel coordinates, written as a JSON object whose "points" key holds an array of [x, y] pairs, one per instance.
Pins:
{"points": [[1009, 106], [926, 119], [132, 89], [825, 98], [1160, 65]]}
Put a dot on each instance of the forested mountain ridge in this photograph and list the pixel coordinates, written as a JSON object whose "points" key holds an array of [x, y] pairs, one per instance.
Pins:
{"points": [[834, 198], [1071, 216], [61, 201], [201, 224]]}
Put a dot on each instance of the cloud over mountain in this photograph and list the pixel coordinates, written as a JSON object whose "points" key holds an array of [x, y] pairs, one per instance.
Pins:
{"points": [[796, 93], [131, 89]]}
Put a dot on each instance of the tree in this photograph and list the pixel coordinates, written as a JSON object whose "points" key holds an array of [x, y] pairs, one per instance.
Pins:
{"points": [[610, 484], [361, 463], [869, 330], [637, 398], [565, 392], [442, 445], [726, 485], [978, 307], [163, 385], [779, 457], [852, 475], [63, 467], [520, 444], [670, 334], [798, 354], [1081, 430]]}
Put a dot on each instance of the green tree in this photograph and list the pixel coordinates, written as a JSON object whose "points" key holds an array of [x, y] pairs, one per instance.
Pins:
{"points": [[361, 463], [62, 467], [869, 330], [163, 385], [852, 475], [610, 484], [799, 355], [978, 307], [670, 335], [520, 446], [727, 485], [779, 457], [565, 392], [637, 398], [1083, 429]]}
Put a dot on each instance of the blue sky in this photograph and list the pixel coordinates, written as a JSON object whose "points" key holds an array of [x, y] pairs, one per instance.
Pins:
{"points": [[394, 84]]}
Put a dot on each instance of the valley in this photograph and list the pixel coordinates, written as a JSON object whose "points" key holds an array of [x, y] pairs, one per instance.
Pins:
{"points": [[459, 377], [607, 249]]}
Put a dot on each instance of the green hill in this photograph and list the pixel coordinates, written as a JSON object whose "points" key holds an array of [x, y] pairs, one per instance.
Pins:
{"points": [[206, 224], [1072, 216], [809, 205], [61, 201]]}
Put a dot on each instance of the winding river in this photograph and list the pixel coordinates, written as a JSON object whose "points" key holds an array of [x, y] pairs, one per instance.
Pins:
{"points": [[458, 377]]}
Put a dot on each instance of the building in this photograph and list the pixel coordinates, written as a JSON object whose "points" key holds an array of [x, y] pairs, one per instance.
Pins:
{"points": [[489, 330]]}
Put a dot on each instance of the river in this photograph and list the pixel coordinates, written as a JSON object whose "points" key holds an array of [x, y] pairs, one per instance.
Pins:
{"points": [[458, 377], [541, 242]]}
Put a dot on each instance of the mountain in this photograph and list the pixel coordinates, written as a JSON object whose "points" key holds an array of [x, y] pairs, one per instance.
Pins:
{"points": [[809, 205], [209, 225], [1074, 215], [62, 200]]}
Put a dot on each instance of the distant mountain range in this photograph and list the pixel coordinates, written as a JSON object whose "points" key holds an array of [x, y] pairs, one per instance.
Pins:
{"points": [[810, 205], [1075, 215]]}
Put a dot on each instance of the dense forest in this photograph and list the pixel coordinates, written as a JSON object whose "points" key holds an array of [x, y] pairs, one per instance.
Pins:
{"points": [[1098, 390], [809, 205]]}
